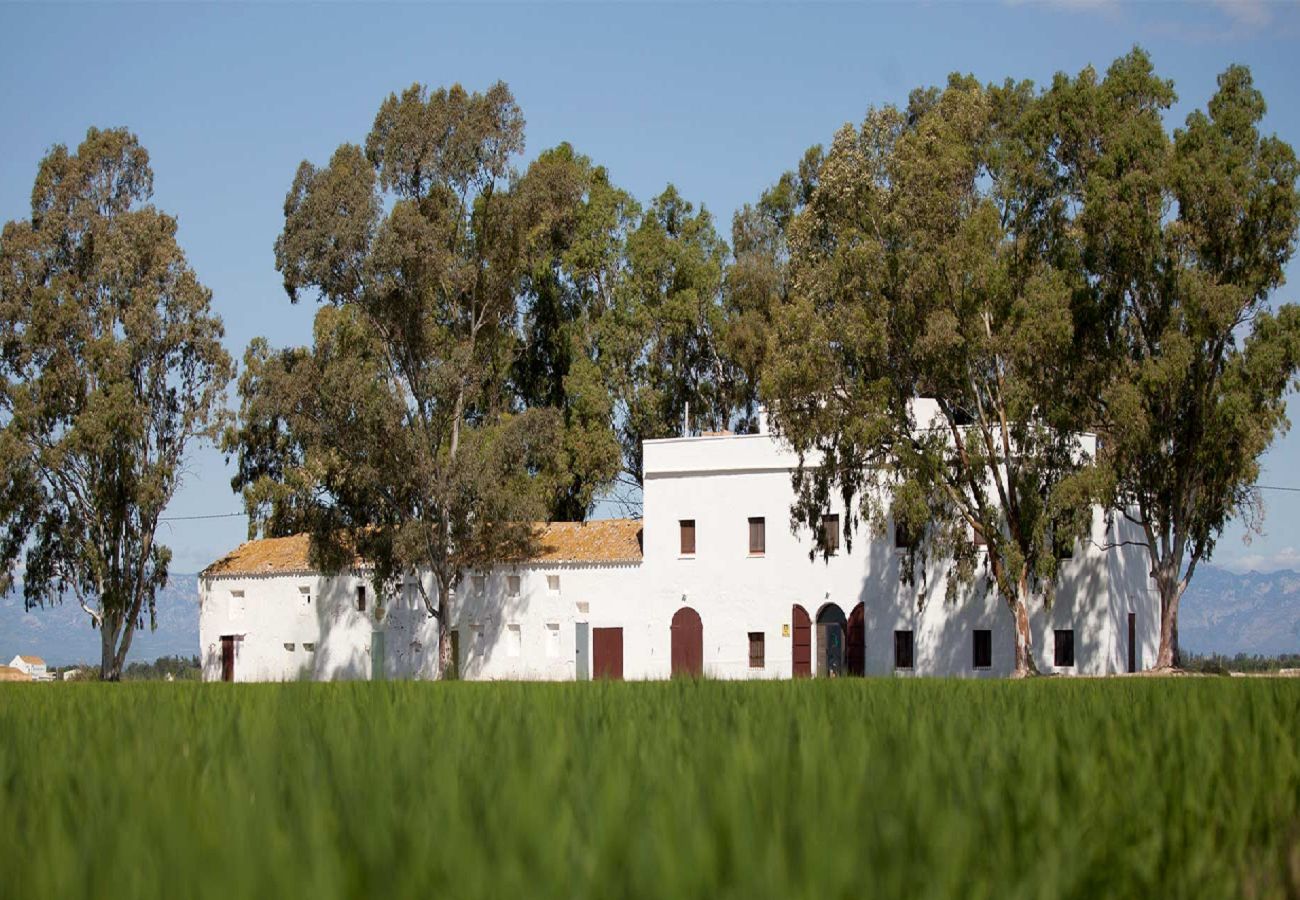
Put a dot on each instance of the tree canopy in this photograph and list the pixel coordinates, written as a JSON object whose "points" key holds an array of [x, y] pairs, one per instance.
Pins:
{"points": [[111, 367]]}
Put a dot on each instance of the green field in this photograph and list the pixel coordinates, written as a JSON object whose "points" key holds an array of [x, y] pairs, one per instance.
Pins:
{"points": [[1055, 788]]}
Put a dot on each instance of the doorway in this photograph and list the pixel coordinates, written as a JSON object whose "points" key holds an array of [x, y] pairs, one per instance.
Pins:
{"points": [[687, 632], [830, 641], [801, 638], [582, 662], [607, 653], [228, 657], [855, 642]]}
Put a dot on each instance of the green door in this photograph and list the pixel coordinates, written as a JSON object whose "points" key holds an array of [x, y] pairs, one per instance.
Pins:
{"points": [[377, 656]]}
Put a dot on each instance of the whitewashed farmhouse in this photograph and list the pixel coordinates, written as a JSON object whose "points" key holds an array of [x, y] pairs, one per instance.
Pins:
{"points": [[32, 666], [711, 581]]}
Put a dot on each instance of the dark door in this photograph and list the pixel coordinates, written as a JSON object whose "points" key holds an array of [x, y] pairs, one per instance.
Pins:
{"points": [[687, 643], [228, 657], [1132, 642], [581, 658], [855, 642], [830, 641], [802, 638], [607, 653]]}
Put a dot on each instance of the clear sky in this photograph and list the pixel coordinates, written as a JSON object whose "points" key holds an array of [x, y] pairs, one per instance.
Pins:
{"points": [[717, 99]]}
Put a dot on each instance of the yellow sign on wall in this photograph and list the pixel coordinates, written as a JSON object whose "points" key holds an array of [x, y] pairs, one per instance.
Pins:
{"points": [[785, 631]]}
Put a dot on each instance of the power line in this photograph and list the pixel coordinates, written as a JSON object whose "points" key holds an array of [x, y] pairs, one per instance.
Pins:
{"points": [[193, 518], [1274, 487]]}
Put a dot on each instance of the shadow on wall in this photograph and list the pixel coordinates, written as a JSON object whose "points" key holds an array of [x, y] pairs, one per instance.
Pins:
{"points": [[343, 646], [482, 621]]}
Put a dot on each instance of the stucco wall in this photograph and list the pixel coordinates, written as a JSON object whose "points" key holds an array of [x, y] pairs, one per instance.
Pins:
{"points": [[719, 483]]}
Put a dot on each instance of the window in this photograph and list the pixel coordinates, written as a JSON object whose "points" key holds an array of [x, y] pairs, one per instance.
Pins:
{"points": [[552, 640], [305, 591], [289, 647], [757, 536], [480, 584], [236, 595], [977, 538], [983, 649], [903, 650], [361, 598], [309, 647], [512, 585], [831, 533], [1064, 647], [687, 537], [904, 539], [583, 607], [756, 648], [514, 641], [553, 583]]}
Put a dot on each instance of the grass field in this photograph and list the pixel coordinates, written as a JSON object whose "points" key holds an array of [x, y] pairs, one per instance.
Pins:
{"points": [[1057, 788]]}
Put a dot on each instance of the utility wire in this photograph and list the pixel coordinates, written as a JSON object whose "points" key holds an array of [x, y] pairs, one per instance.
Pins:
{"points": [[1274, 487]]}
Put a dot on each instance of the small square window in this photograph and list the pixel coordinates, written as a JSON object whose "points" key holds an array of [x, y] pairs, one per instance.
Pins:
{"points": [[361, 598], [553, 583], [1064, 655], [983, 649], [237, 595], [309, 647], [514, 640], [512, 585], [904, 539], [757, 641], [480, 584], [831, 533], [757, 536], [552, 640], [305, 593], [289, 647], [903, 650], [687, 530]]}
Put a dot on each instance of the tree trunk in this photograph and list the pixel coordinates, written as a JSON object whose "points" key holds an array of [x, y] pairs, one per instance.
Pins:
{"points": [[444, 634], [1171, 594], [109, 667], [1025, 665]]}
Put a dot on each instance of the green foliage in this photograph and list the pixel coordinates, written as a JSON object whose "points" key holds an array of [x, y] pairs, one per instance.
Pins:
{"points": [[175, 668], [1128, 787], [924, 264], [111, 367]]}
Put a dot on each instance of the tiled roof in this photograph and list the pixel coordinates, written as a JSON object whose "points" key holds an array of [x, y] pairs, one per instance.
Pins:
{"points": [[31, 660], [598, 541], [9, 673]]}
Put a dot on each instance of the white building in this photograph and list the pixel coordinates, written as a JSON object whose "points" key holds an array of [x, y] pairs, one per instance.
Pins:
{"points": [[33, 666], [712, 581]]}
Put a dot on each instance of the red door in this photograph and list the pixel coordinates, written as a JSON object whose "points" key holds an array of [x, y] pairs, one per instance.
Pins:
{"points": [[687, 643], [855, 637], [802, 642], [228, 658], [607, 653]]}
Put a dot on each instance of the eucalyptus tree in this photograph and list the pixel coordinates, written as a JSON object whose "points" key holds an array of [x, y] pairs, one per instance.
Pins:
{"points": [[925, 264], [111, 368], [1185, 239], [575, 266], [395, 437], [664, 340]]}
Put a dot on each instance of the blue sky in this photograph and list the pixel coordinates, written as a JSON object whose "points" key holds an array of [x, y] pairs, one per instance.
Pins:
{"points": [[717, 99]]}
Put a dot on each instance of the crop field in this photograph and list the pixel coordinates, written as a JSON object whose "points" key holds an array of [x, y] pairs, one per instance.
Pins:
{"points": [[851, 788]]}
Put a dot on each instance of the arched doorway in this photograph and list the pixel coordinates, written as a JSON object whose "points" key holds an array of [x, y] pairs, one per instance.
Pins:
{"points": [[687, 643], [802, 641], [830, 641], [855, 642]]}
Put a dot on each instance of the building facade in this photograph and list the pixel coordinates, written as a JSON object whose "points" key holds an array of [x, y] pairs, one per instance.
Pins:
{"points": [[712, 581]]}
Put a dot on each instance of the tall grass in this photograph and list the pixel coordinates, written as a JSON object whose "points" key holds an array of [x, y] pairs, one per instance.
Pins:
{"points": [[851, 788]]}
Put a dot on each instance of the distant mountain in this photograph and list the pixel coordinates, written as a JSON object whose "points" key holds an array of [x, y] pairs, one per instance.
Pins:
{"points": [[1254, 613], [61, 634]]}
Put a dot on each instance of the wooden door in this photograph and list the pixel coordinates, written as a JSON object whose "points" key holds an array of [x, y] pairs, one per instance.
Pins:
{"points": [[607, 653], [687, 633], [228, 657], [802, 641], [855, 640], [1132, 643]]}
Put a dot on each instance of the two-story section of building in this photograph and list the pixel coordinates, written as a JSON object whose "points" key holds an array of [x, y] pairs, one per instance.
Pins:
{"points": [[711, 582]]}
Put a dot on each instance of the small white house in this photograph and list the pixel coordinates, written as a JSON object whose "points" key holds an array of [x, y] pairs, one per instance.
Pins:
{"points": [[712, 582], [33, 666]]}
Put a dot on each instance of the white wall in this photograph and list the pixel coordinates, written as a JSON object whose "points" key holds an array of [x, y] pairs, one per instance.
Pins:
{"points": [[719, 483]]}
